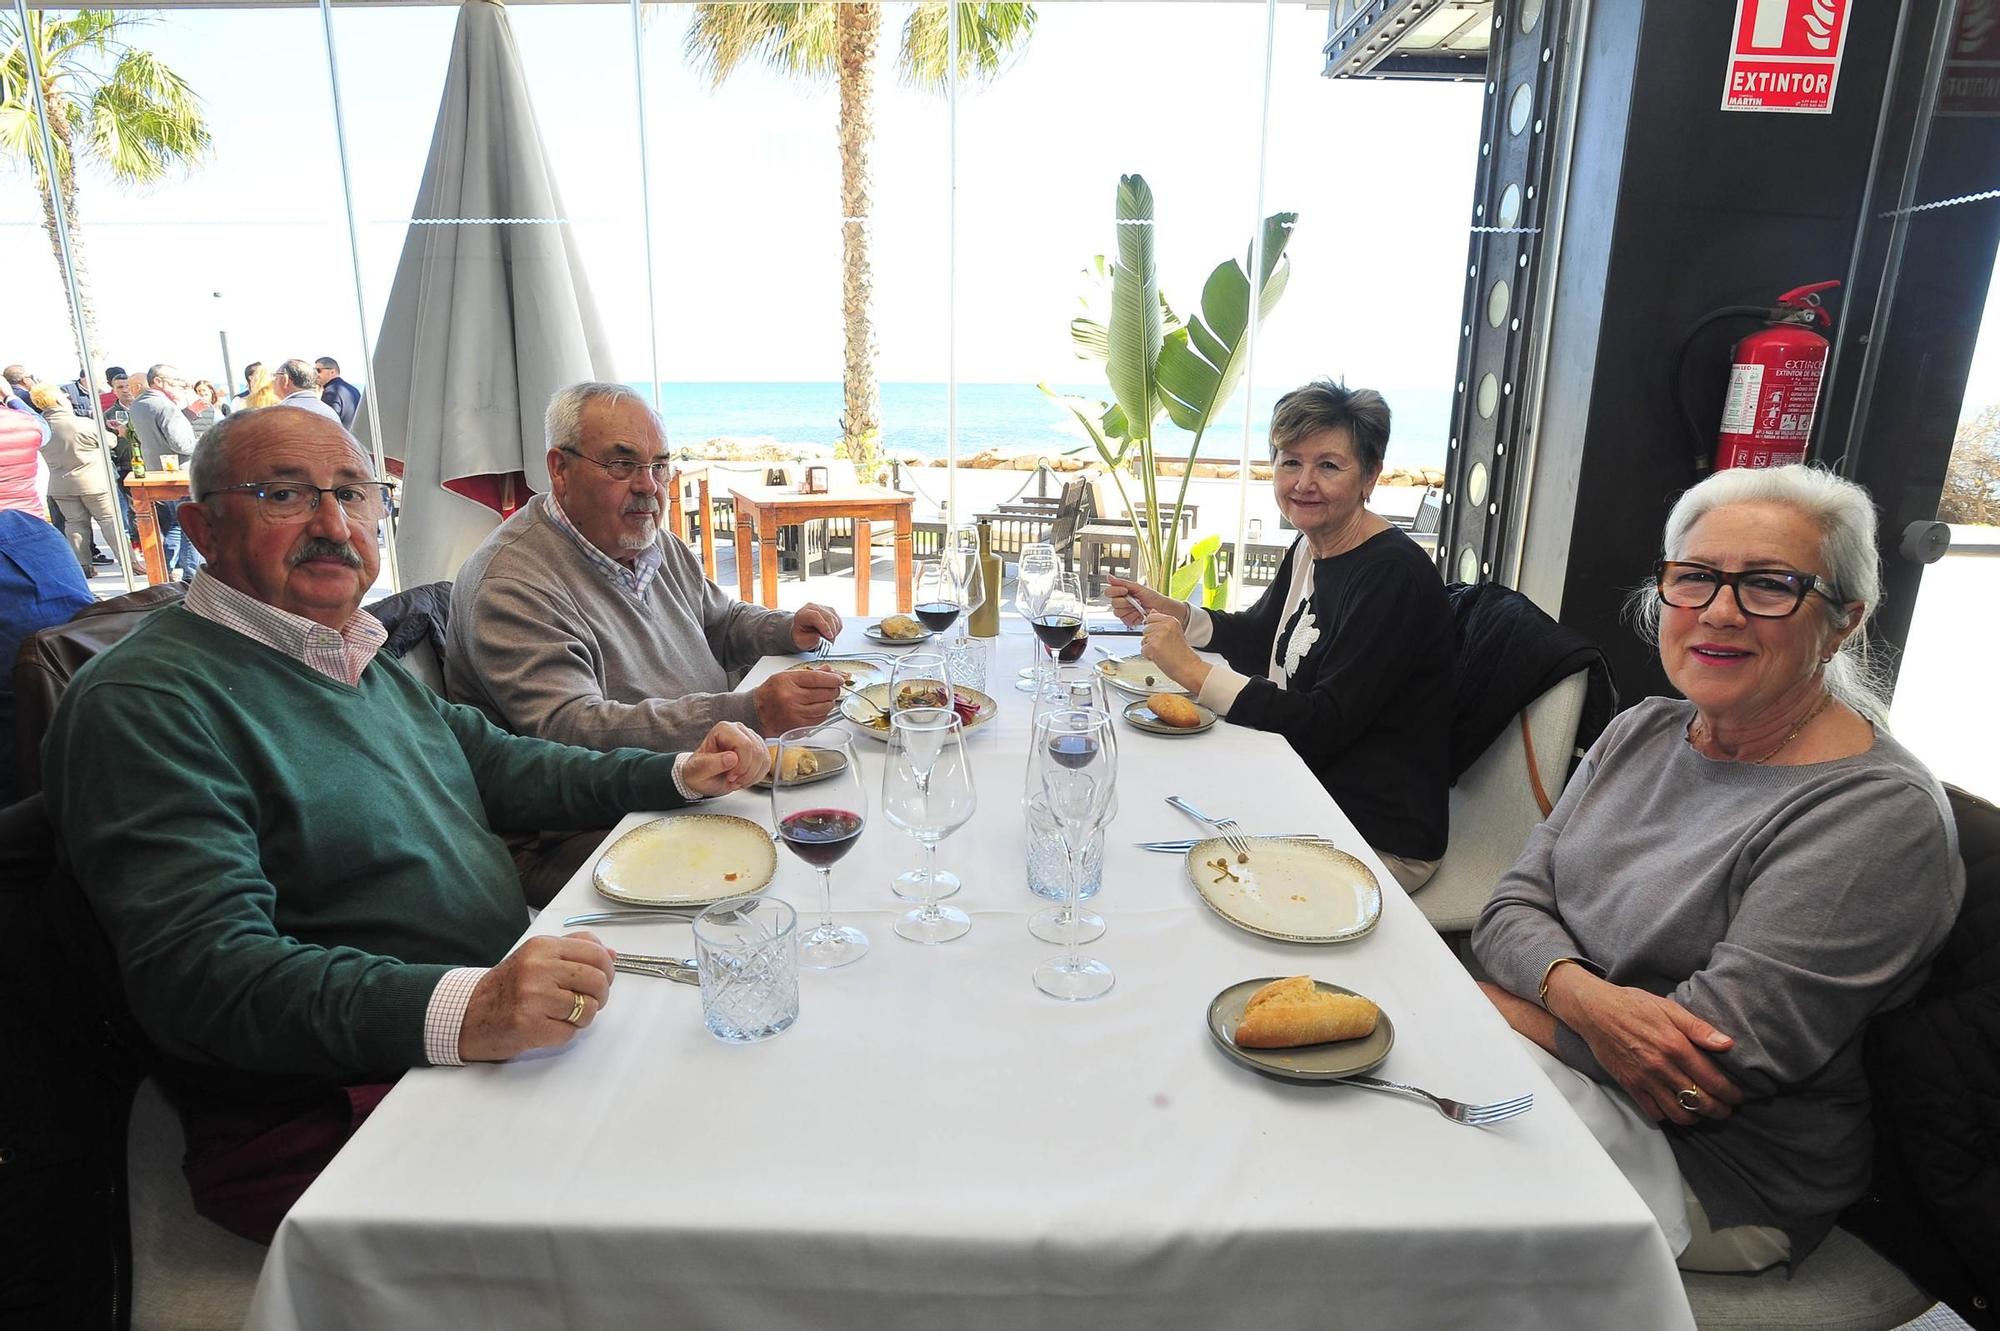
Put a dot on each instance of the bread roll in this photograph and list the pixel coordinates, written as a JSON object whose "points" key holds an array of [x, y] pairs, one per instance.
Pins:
{"points": [[797, 763], [1175, 710], [901, 626], [1287, 1013]]}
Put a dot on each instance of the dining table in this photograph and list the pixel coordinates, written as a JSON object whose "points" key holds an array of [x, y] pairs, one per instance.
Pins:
{"points": [[935, 1143], [155, 487], [762, 509]]}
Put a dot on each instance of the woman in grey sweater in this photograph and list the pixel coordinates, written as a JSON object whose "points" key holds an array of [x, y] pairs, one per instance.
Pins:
{"points": [[1732, 885]]}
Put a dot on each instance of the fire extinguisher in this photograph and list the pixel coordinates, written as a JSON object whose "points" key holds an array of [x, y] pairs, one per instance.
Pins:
{"points": [[1774, 378]]}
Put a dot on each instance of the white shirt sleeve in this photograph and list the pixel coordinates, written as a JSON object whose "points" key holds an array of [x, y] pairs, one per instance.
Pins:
{"points": [[445, 1017]]}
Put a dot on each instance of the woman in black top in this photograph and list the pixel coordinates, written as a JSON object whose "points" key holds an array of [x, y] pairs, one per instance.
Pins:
{"points": [[1348, 654]]}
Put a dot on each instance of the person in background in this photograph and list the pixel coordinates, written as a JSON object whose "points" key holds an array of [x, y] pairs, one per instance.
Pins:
{"points": [[206, 409], [298, 386], [114, 382], [116, 404], [253, 375], [78, 394], [24, 477], [77, 483], [19, 385], [39, 586], [312, 897], [1348, 654], [162, 430], [336, 392], [1693, 942], [578, 621], [261, 389]]}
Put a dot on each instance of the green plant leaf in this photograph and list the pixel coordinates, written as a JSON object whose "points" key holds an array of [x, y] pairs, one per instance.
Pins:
{"points": [[1199, 372], [1135, 327]]}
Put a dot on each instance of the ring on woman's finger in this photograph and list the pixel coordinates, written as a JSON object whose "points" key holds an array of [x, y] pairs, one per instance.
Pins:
{"points": [[575, 1009], [1689, 1097]]}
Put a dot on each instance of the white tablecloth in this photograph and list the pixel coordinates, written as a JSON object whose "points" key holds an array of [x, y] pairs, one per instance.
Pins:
{"points": [[937, 1144]]}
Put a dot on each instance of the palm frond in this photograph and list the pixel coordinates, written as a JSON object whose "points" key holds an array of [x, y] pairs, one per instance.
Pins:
{"points": [[145, 121], [990, 37], [793, 39]]}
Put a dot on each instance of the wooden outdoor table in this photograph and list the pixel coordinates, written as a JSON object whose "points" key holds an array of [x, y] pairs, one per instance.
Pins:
{"points": [[684, 523], [765, 508], [155, 487]]}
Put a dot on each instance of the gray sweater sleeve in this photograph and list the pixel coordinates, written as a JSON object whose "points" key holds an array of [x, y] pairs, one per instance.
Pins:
{"points": [[539, 663]]}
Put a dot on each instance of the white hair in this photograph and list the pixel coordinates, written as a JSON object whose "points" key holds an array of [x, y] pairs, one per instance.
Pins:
{"points": [[563, 425], [1845, 517]]}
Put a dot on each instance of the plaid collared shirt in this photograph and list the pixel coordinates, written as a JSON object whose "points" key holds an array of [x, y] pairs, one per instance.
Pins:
{"points": [[632, 578], [340, 655]]}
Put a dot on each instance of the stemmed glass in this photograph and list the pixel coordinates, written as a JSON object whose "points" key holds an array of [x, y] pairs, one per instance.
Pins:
{"points": [[927, 791], [1077, 766], [1033, 580], [931, 680], [1061, 618], [1069, 689], [939, 595], [820, 815], [961, 556]]}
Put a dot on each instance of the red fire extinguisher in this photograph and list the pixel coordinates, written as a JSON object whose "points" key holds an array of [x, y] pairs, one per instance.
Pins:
{"points": [[1774, 379], [1774, 376]]}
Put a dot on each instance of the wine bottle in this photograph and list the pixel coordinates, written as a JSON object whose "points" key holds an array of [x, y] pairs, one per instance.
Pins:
{"points": [[985, 621]]}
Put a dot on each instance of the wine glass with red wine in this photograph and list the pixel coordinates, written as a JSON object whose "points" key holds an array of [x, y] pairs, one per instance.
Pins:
{"points": [[1060, 620], [819, 808], [939, 596]]}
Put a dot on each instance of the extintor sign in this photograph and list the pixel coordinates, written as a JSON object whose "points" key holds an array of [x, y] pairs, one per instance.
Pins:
{"points": [[1784, 55]]}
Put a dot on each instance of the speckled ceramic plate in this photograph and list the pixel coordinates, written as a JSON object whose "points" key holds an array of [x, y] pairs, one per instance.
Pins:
{"points": [[875, 725], [687, 859], [1136, 675], [1140, 713], [856, 672], [1312, 1062], [1293, 891]]}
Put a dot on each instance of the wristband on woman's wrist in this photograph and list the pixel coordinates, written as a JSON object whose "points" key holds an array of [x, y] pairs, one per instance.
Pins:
{"points": [[1542, 992]]}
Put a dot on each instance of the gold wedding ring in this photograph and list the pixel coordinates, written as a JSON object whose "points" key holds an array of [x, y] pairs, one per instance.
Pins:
{"points": [[1689, 1097], [576, 1013]]}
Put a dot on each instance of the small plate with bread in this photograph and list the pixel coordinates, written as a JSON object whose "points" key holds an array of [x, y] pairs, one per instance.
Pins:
{"points": [[1300, 1029], [897, 631], [1169, 714], [1294, 891], [807, 766]]}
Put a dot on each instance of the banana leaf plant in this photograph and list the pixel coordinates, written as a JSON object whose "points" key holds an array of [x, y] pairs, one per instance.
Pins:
{"points": [[1159, 365]]}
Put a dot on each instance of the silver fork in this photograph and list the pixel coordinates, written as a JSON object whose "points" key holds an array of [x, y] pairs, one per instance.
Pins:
{"points": [[1477, 1116], [1232, 832], [863, 698]]}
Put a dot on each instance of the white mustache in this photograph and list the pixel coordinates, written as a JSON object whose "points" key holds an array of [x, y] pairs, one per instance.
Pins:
{"points": [[643, 504]]}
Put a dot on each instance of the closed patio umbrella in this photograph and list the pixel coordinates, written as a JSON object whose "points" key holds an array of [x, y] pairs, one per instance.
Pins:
{"points": [[489, 314]]}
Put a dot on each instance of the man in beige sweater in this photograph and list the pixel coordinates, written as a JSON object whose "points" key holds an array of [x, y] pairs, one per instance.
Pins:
{"points": [[578, 621]]}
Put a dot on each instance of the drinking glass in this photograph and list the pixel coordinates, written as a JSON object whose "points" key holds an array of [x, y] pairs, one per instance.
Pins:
{"points": [[939, 595], [820, 816], [925, 678], [1058, 622], [961, 555], [1077, 766], [1048, 870], [1034, 578], [746, 949], [927, 791]]}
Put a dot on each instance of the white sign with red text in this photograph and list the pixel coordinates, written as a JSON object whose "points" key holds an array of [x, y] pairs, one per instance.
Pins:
{"points": [[1784, 55]]}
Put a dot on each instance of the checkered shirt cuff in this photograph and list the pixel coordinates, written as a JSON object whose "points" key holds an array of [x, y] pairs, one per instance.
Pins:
{"points": [[680, 765], [446, 1015]]}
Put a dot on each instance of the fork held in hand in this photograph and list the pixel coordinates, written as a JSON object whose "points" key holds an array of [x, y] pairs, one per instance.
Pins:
{"points": [[1477, 1116]]}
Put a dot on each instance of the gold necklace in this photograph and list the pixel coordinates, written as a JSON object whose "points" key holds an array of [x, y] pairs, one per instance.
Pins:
{"points": [[1796, 730]]}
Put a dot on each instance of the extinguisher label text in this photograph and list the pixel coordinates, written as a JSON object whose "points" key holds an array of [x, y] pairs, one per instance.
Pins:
{"points": [[1739, 408]]}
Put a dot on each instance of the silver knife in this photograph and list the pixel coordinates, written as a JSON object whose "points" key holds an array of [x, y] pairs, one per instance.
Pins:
{"points": [[660, 915], [1179, 847]]}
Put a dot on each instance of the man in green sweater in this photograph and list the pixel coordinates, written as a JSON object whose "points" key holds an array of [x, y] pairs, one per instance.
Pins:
{"points": [[298, 865]]}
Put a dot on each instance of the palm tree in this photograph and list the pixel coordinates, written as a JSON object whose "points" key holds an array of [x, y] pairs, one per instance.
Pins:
{"points": [[838, 38], [119, 104]]}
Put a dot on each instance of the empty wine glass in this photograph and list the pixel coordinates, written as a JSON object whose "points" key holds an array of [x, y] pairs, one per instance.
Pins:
{"points": [[819, 813], [961, 555], [1033, 580], [939, 595], [920, 679], [1077, 765], [927, 790]]}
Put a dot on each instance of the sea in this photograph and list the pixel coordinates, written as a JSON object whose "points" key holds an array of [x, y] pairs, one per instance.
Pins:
{"points": [[1011, 418]]}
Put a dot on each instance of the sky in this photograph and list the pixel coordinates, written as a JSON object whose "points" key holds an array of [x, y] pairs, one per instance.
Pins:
{"points": [[746, 234]]}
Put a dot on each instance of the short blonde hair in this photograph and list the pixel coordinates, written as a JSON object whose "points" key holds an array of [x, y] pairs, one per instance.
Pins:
{"points": [[45, 396]]}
